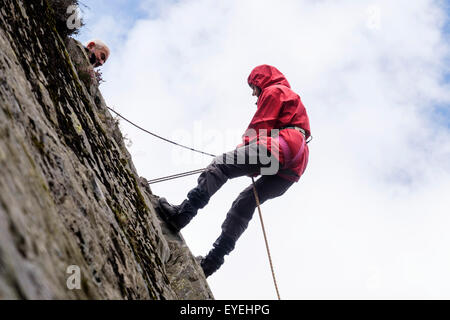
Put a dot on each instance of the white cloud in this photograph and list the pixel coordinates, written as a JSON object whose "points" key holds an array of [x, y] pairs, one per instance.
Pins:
{"points": [[370, 217]]}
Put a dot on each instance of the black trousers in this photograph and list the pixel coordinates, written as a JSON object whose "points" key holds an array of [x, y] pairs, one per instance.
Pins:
{"points": [[245, 161]]}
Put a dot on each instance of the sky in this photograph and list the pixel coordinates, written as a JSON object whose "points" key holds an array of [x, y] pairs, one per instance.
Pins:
{"points": [[369, 219]]}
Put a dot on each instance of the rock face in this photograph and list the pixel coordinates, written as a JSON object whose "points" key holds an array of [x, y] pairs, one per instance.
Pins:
{"points": [[76, 221]]}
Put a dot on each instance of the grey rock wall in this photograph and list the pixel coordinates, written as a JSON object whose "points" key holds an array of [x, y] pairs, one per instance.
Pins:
{"points": [[69, 193]]}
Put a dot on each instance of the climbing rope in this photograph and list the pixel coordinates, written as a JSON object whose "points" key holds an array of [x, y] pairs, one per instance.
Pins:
{"points": [[188, 173], [265, 238], [176, 176], [158, 136]]}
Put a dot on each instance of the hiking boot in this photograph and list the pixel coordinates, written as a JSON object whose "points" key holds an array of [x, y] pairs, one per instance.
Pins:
{"points": [[215, 258], [208, 266], [176, 216], [199, 259], [211, 263]]}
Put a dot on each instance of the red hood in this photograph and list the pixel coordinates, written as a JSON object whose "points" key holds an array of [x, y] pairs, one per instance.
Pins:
{"points": [[265, 76]]}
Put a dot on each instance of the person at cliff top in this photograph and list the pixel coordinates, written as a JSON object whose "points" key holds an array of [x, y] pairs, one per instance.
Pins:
{"points": [[274, 146], [98, 52]]}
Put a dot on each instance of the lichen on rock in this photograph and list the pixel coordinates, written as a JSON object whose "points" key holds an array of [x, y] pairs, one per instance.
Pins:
{"points": [[70, 194]]}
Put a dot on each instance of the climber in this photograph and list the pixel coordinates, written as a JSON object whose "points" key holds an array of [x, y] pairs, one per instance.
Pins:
{"points": [[279, 130], [98, 52]]}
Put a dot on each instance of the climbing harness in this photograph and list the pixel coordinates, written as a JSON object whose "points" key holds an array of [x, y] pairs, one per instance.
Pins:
{"points": [[285, 172], [189, 173]]}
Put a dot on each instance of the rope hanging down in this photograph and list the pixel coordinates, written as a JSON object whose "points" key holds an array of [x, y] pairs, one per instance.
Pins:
{"points": [[265, 238], [185, 174]]}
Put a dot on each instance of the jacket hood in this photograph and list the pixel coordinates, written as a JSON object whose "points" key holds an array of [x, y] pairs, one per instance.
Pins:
{"points": [[265, 76]]}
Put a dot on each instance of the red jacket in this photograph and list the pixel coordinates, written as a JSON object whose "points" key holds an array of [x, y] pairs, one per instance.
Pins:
{"points": [[278, 106]]}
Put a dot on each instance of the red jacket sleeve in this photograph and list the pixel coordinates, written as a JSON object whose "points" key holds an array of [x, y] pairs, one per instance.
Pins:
{"points": [[266, 116]]}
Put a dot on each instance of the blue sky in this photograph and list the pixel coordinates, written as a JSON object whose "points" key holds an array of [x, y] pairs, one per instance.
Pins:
{"points": [[369, 218], [444, 110], [130, 10], [126, 13]]}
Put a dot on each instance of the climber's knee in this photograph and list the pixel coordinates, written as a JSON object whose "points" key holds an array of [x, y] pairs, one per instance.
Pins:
{"points": [[237, 222]]}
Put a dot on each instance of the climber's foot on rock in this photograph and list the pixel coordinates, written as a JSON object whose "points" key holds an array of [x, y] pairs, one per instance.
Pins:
{"points": [[167, 212], [199, 259], [211, 264]]}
